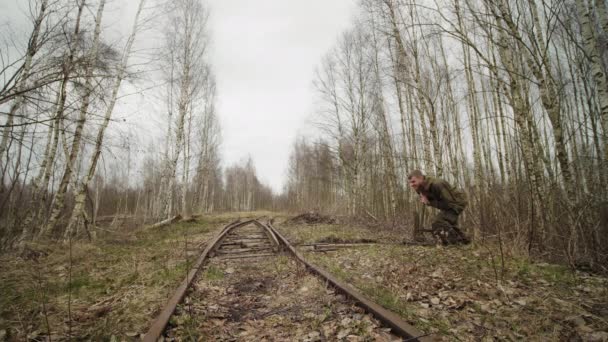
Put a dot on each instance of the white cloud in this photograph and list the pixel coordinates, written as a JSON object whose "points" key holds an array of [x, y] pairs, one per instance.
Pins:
{"points": [[264, 54]]}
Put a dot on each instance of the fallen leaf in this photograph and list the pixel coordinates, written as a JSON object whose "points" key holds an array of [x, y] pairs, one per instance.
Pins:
{"points": [[345, 321], [343, 333], [313, 337], [575, 320], [437, 274], [598, 336]]}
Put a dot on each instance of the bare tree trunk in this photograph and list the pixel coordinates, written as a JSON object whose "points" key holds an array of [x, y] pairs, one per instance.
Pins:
{"points": [[385, 136], [185, 178], [597, 70], [9, 197], [521, 112], [187, 44], [473, 114], [80, 197], [40, 183], [32, 49], [58, 202], [541, 69]]}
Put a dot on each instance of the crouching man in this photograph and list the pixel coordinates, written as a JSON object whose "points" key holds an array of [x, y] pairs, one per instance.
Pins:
{"points": [[439, 194]]}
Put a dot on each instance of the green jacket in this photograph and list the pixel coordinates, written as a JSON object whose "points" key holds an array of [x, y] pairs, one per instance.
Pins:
{"points": [[442, 195]]}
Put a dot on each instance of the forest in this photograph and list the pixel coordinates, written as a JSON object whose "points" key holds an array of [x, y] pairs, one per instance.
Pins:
{"points": [[110, 132], [507, 100], [69, 161]]}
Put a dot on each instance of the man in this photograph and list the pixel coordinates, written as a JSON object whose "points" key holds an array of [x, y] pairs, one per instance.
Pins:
{"points": [[451, 202]]}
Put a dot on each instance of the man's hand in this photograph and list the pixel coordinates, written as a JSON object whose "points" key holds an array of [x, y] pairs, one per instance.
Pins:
{"points": [[423, 199]]}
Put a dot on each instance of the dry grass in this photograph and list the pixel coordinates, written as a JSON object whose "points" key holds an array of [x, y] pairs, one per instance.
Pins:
{"points": [[462, 293], [118, 283], [269, 299], [305, 234]]}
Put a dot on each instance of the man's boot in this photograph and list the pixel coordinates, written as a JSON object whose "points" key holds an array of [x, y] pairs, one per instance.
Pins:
{"points": [[441, 235], [462, 238]]}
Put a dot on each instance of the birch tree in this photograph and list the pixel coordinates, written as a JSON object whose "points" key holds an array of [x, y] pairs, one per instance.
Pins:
{"points": [[22, 82], [186, 40], [505, 99], [80, 123], [79, 216]]}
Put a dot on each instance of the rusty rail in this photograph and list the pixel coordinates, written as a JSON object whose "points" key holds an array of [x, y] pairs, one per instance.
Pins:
{"points": [[390, 319], [271, 235], [396, 323], [161, 321]]}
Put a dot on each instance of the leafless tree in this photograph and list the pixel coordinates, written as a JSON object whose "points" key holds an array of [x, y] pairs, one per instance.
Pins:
{"points": [[505, 99]]}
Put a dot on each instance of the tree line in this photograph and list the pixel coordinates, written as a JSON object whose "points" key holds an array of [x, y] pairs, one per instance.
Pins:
{"points": [[506, 99], [67, 161]]}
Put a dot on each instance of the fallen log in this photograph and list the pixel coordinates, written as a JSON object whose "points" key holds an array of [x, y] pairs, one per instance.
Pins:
{"points": [[167, 221]]}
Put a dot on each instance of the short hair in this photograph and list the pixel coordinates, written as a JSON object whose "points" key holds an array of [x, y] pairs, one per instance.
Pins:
{"points": [[415, 173]]}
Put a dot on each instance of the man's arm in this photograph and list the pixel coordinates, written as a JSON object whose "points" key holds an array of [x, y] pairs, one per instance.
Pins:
{"points": [[441, 196]]}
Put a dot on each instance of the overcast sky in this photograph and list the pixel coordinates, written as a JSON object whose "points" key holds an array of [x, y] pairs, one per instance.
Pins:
{"points": [[264, 54]]}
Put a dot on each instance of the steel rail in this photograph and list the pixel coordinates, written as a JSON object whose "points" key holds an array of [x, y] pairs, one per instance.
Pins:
{"points": [[161, 321], [270, 234], [391, 319]]}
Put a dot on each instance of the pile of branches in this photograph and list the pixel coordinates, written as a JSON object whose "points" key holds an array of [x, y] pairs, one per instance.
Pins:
{"points": [[311, 217]]}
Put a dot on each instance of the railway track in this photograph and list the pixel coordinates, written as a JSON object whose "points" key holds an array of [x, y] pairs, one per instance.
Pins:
{"points": [[252, 240], [250, 284]]}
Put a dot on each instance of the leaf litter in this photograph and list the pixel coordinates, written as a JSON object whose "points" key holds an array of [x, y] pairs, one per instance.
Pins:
{"points": [[118, 283], [461, 293], [269, 299]]}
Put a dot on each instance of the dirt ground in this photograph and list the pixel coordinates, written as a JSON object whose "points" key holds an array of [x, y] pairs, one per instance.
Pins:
{"points": [[464, 293], [110, 289], [269, 299]]}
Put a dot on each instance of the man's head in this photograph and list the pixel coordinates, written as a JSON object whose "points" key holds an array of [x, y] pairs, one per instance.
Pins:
{"points": [[415, 179]]}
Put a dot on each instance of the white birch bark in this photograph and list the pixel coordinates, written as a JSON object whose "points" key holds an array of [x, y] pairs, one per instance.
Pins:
{"points": [[58, 201], [597, 70], [23, 81], [80, 197]]}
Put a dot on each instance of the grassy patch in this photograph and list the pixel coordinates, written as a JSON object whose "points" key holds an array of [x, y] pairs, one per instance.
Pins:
{"points": [[525, 270], [280, 264], [213, 273], [85, 283], [464, 293], [302, 234], [387, 299], [117, 282]]}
